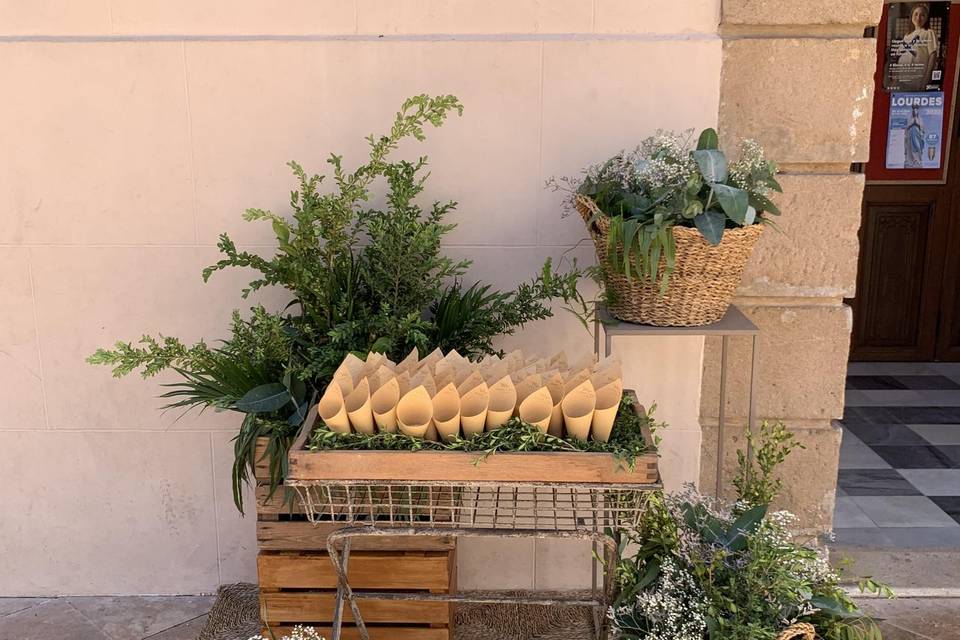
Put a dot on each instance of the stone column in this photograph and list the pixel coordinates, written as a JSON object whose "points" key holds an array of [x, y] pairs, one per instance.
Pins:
{"points": [[797, 77]]}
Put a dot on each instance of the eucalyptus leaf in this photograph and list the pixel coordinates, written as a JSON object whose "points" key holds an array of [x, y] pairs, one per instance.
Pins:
{"points": [[266, 398], [708, 140], [734, 201], [712, 164], [762, 203], [710, 224]]}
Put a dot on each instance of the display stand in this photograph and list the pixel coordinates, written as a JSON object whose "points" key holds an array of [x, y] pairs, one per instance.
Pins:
{"points": [[733, 323]]}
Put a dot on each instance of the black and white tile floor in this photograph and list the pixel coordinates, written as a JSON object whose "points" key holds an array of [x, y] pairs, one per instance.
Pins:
{"points": [[899, 479]]}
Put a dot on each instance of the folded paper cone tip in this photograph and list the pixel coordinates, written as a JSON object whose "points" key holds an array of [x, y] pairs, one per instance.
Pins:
{"points": [[415, 412], [536, 409], [331, 409]]}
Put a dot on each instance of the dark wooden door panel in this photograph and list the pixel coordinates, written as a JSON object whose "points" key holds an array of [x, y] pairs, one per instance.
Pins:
{"points": [[902, 241], [948, 340]]}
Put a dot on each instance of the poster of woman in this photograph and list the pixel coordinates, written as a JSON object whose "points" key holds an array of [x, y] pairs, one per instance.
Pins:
{"points": [[915, 51]]}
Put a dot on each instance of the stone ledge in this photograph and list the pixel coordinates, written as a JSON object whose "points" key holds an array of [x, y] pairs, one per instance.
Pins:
{"points": [[774, 90], [802, 12]]}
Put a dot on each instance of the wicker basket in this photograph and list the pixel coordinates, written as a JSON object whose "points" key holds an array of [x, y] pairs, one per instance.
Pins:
{"points": [[798, 631], [701, 287]]}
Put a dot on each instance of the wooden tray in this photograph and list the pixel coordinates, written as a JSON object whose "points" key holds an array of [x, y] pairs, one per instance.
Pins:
{"points": [[462, 466]]}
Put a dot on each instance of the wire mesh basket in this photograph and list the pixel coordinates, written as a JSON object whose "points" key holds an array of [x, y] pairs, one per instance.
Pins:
{"points": [[579, 507]]}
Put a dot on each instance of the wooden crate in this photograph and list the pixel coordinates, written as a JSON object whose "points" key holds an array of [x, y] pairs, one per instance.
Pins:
{"points": [[298, 584]]}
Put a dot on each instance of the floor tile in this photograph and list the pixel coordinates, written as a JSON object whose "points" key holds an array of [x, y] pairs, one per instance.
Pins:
{"points": [[913, 457], [926, 415], [950, 504], [136, 617], [187, 631], [938, 433], [874, 382], [854, 454], [879, 434], [53, 620], [898, 397], [904, 511], [847, 515], [930, 397], [891, 369], [933, 618], [13, 605], [934, 482], [870, 415], [875, 482], [862, 537], [925, 382]]}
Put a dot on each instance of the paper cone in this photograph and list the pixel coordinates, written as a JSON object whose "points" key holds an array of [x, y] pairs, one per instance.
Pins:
{"points": [[527, 386], [578, 406], [606, 372], [515, 360], [409, 363], [344, 376], [431, 360], [383, 405], [585, 362], [605, 413], [555, 386], [431, 433], [503, 402], [372, 363], [358, 409], [403, 381], [424, 378], [446, 412], [575, 379], [537, 408], [415, 412], [473, 409], [469, 381], [444, 373], [495, 371], [331, 410], [518, 375], [559, 361]]}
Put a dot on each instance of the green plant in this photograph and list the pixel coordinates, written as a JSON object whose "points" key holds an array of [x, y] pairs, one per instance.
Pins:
{"points": [[755, 481], [359, 279], [666, 182], [702, 569]]}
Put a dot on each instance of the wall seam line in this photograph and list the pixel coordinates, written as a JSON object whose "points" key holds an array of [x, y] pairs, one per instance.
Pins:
{"points": [[349, 37], [537, 238], [36, 334], [193, 155], [216, 519]]}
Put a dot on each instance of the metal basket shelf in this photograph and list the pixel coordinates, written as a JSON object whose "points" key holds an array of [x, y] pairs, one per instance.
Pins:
{"points": [[544, 507]]}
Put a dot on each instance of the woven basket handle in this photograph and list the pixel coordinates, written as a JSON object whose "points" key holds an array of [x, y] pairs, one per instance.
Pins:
{"points": [[589, 211], [799, 631]]}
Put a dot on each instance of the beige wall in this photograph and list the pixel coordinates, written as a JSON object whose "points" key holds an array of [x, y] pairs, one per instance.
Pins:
{"points": [[798, 76], [136, 131]]}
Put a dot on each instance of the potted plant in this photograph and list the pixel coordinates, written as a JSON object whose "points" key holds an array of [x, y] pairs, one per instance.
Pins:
{"points": [[674, 225]]}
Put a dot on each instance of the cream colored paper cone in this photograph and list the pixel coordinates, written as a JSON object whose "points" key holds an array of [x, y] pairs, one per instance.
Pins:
{"points": [[344, 378], [444, 373], [503, 402], [384, 405], [514, 360], [518, 375], [555, 386], [331, 409], [536, 409], [379, 378], [424, 379], [431, 433], [372, 363], [586, 362], [495, 372], [605, 413], [578, 406], [575, 379], [469, 382], [358, 409], [556, 421], [473, 409], [527, 386], [409, 363], [415, 412], [446, 412], [559, 361], [403, 381], [430, 362]]}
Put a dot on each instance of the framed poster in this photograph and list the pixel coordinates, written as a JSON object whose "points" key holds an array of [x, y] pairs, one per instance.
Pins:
{"points": [[917, 34], [917, 45], [914, 130]]}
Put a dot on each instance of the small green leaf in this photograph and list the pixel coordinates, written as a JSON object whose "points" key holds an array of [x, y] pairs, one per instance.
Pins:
{"points": [[734, 201], [710, 224], [708, 140], [264, 399], [762, 203], [712, 164]]}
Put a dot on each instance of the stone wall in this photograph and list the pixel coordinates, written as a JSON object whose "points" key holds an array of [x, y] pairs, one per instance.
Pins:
{"points": [[809, 64]]}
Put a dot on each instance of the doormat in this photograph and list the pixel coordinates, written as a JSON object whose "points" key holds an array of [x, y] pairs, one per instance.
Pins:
{"points": [[235, 615]]}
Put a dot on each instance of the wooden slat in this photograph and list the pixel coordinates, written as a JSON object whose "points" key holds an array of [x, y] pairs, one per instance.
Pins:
{"points": [[301, 535], [318, 607], [459, 466], [376, 633], [367, 570]]}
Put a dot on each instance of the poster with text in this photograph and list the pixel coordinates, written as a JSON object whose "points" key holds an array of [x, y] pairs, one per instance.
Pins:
{"points": [[915, 130], [916, 43]]}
